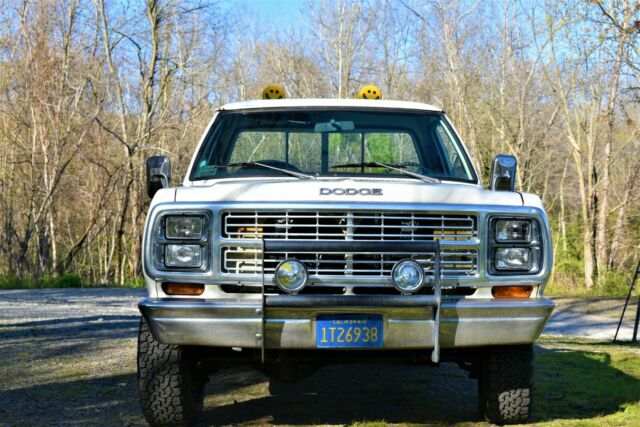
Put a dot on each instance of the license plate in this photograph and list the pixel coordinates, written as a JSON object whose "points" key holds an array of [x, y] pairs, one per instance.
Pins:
{"points": [[349, 331]]}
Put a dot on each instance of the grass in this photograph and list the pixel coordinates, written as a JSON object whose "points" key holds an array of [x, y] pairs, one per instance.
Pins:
{"points": [[556, 289], [66, 280], [586, 383], [615, 284]]}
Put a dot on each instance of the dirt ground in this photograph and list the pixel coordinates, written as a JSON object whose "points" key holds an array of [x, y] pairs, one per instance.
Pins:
{"points": [[68, 357]]}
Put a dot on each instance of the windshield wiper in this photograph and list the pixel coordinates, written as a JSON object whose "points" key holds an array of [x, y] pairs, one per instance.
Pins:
{"points": [[394, 167], [263, 165]]}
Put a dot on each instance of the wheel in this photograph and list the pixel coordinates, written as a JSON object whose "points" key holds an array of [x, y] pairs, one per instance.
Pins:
{"points": [[505, 384], [171, 381]]}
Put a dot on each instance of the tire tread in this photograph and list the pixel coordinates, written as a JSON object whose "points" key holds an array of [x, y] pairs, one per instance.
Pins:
{"points": [[505, 384], [164, 380]]}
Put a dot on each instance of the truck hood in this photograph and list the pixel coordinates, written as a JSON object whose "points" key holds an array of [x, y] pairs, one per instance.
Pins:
{"points": [[348, 190]]}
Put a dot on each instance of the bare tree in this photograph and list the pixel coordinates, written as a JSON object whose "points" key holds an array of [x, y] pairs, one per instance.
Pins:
{"points": [[341, 29], [88, 90]]}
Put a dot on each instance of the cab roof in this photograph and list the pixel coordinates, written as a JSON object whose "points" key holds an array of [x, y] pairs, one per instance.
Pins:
{"points": [[328, 103]]}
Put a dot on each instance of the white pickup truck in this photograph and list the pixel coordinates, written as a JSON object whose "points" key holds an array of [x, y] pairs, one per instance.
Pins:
{"points": [[312, 231]]}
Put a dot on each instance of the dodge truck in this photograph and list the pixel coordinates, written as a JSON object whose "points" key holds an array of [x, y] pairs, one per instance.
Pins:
{"points": [[315, 231]]}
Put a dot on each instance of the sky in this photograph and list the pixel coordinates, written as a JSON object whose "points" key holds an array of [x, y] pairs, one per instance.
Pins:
{"points": [[281, 14]]}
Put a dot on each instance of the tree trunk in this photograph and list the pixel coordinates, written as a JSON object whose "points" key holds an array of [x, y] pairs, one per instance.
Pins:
{"points": [[603, 199]]}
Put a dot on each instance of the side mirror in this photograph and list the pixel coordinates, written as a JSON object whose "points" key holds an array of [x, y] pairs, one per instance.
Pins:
{"points": [[503, 173], [158, 174]]}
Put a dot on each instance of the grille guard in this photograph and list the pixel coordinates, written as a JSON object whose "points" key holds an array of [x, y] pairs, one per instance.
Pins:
{"points": [[273, 245]]}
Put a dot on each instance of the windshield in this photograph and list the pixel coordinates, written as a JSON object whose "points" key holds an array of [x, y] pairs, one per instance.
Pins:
{"points": [[331, 143]]}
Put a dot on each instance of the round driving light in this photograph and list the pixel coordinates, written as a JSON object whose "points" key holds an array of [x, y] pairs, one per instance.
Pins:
{"points": [[291, 275], [407, 276]]}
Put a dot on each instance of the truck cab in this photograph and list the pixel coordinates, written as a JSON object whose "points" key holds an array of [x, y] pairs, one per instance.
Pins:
{"points": [[313, 231]]}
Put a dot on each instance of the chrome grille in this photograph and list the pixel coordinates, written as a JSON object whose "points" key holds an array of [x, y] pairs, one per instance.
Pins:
{"points": [[317, 225], [244, 260], [251, 226]]}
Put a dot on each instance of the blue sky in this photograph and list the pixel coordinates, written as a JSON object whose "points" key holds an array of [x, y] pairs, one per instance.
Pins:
{"points": [[270, 13]]}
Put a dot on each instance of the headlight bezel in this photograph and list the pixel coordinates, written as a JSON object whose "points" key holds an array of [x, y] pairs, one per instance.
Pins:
{"points": [[161, 241], [534, 244]]}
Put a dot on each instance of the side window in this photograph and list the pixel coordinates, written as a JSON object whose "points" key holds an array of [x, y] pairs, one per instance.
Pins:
{"points": [[456, 164], [256, 146]]}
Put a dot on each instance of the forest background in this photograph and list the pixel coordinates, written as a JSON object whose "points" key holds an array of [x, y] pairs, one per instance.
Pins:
{"points": [[90, 89]]}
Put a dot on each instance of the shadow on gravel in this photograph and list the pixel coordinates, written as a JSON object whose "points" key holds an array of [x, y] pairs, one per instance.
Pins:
{"points": [[343, 394], [102, 401], [568, 385], [108, 326], [48, 339]]}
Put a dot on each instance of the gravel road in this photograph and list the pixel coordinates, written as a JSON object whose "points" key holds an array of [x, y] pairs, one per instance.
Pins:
{"points": [[67, 356], [594, 318]]}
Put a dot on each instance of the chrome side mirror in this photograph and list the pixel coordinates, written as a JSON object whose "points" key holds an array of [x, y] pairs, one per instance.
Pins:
{"points": [[503, 173], [158, 174]]}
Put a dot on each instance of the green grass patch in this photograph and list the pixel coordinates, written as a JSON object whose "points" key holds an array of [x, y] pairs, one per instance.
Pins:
{"points": [[579, 382], [615, 285], [66, 280]]}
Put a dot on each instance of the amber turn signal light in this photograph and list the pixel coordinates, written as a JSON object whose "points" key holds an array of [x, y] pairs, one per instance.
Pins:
{"points": [[511, 291], [183, 288]]}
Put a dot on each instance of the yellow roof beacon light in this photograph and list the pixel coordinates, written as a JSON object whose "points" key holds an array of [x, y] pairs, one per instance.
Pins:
{"points": [[273, 92], [369, 92]]}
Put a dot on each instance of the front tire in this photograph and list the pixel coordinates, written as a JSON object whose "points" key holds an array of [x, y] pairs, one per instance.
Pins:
{"points": [[171, 381], [505, 384]]}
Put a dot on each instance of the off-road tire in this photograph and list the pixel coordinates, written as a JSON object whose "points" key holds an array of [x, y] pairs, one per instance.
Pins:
{"points": [[505, 384], [171, 381]]}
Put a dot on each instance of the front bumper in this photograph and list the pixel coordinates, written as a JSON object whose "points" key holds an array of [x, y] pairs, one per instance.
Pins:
{"points": [[289, 322]]}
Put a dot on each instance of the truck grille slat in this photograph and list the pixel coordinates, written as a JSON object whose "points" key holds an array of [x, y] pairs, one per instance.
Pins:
{"points": [[348, 225], [248, 261]]}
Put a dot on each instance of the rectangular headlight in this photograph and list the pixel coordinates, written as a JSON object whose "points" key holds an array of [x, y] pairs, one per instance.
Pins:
{"points": [[513, 230], [513, 259], [183, 256], [183, 227]]}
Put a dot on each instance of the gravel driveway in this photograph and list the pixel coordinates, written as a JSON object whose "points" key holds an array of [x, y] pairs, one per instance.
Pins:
{"points": [[595, 318], [67, 356]]}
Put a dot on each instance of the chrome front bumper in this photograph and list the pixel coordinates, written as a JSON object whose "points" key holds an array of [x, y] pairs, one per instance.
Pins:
{"points": [[289, 323]]}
